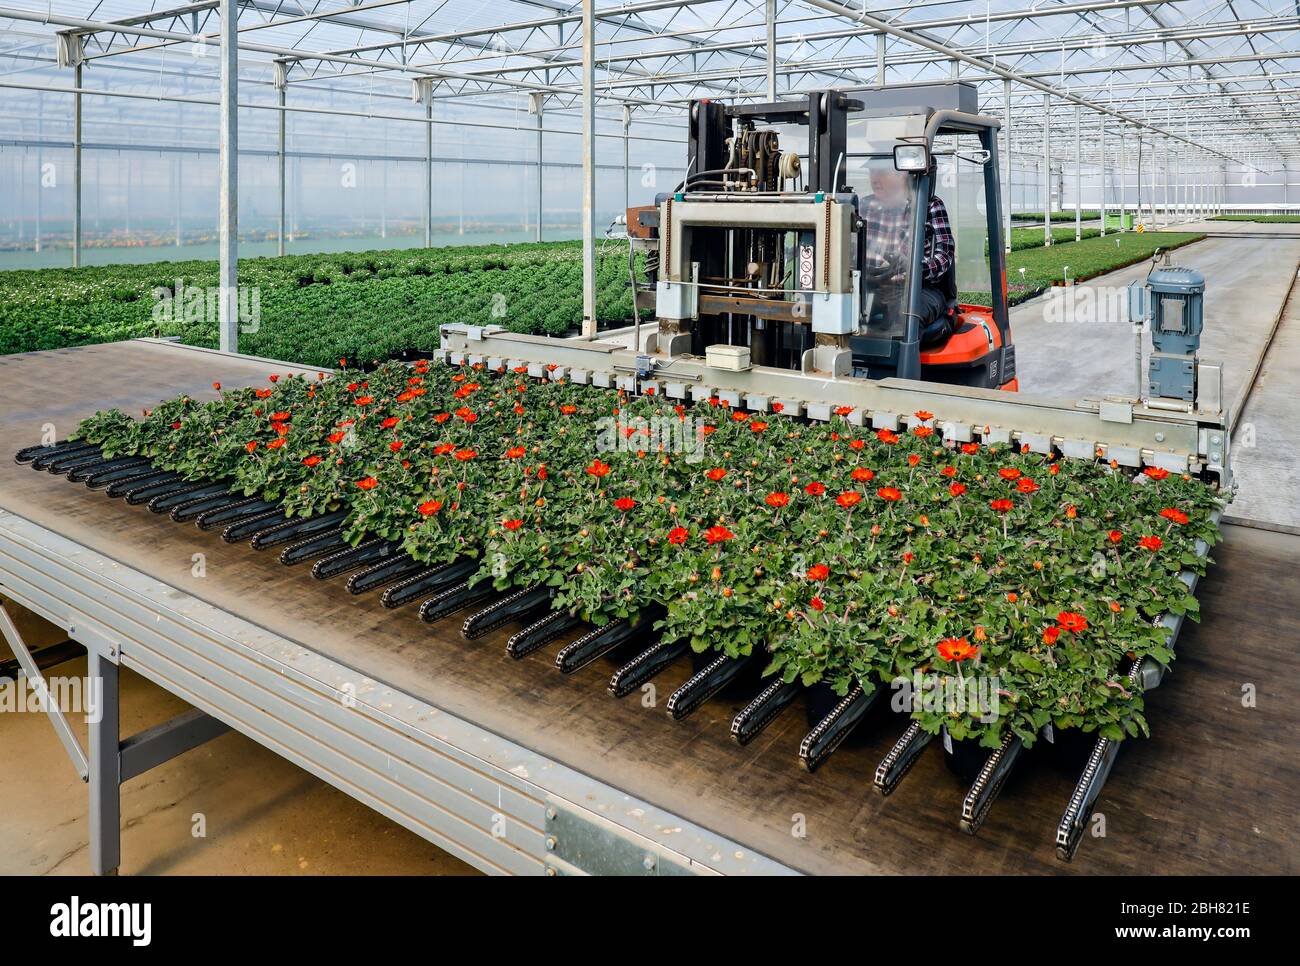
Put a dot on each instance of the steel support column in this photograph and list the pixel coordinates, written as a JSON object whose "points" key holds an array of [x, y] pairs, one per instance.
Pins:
{"points": [[228, 216], [1101, 176], [589, 169], [1078, 173], [76, 167], [279, 242], [428, 168], [1047, 170]]}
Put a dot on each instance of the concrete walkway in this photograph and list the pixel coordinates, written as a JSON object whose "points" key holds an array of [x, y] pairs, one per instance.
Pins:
{"points": [[1081, 347]]}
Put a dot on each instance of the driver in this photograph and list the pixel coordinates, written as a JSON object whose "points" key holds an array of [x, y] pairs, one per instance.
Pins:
{"points": [[886, 218]]}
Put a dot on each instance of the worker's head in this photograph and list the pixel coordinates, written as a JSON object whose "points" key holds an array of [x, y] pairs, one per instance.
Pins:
{"points": [[888, 184]]}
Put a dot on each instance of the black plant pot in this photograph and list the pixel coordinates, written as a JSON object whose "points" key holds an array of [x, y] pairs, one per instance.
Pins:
{"points": [[744, 685], [966, 757]]}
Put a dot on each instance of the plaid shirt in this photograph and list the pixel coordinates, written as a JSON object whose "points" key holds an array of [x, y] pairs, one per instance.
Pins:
{"points": [[886, 228]]}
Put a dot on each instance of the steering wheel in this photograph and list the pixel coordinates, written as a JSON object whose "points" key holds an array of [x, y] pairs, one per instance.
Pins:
{"points": [[877, 268]]}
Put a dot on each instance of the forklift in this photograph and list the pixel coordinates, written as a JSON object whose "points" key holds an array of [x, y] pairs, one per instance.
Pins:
{"points": [[797, 239]]}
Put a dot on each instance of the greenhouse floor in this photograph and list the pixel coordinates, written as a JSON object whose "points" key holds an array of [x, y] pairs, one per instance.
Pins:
{"points": [[1209, 792]]}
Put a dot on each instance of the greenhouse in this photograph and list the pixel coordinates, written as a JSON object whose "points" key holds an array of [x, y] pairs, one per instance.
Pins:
{"points": [[722, 437]]}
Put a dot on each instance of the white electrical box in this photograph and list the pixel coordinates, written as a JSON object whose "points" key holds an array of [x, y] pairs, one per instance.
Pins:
{"points": [[732, 357]]}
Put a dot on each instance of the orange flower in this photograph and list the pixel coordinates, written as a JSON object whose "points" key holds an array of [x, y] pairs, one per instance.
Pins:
{"points": [[1002, 506], [863, 475], [365, 400], [777, 500], [369, 483], [923, 431], [624, 503], [887, 436], [464, 455], [923, 415], [335, 437], [815, 489], [1071, 511], [1012, 598], [758, 426], [819, 572], [442, 417], [1026, 485], [1151, 543], [970, 449], [890, 494], [1009, 473], [843, 410], [429, 507], [1072, 622], [956, 489], [817, 604], [1156, 472], [850, 498], [718, 534], [716, 474], [948, 471], [388, 423], [275, 443], [279, 417], [1050, 635], [1174, 516], [217, 386], [678, 535], [512, 524], [568, 410], [395, 445], [598, 469], [957, 649], [1115, 536], [516, 452], [856, 444], [251, 445], [311, 461]]}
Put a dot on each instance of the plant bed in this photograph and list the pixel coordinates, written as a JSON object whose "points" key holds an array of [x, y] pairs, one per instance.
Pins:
{"points": [[836, 555], [316, 309]]}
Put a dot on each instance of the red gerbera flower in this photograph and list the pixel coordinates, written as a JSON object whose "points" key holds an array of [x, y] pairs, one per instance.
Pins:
{"points": [[335, 437], [365, 400], [819, 572], [395, 445], [1009, 473], [856, 444], [863, 475], [251, 445], [923, 431], [1026, 485], [843, 410], [777, 500], [568, 410], [466, 454], [429, 507], [275, 443], [717, 534], [1115, 536], [1050, 635], [890, 494], [1151, 543], [369, 483], [390, 422], [512, 524], [817, 604], [624, 503], [678, 535], [815, 489], [923, 415], [970, 449], [311, 461], [716, 474], [1174, 516], [758, 425], [887, 436], [597, 468], [1072, 622], [948, 471], [1002, 506], [516, 452], [848, 499], [956, 489], [1156, 472]]}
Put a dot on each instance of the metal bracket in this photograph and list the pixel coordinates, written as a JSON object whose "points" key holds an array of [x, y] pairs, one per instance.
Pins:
{"points": [[580, 842]]}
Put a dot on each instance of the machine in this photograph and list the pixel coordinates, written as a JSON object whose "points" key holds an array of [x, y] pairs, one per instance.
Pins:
{"points": [[799, 233]]}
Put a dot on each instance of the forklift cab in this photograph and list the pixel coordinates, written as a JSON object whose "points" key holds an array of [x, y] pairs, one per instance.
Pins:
{"points": [[898, 161], [799, 232]]}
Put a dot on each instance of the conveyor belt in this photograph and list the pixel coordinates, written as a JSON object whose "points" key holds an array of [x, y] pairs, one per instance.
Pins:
{"points": [[1209, 792]]}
